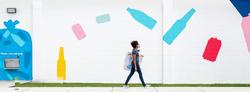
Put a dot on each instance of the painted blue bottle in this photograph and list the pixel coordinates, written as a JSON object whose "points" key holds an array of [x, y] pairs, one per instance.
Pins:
{"points": [[243, 6], [177, 27], [142, 18]]}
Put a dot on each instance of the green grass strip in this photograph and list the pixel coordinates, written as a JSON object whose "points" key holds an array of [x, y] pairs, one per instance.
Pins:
{"points": [[31, 84]]}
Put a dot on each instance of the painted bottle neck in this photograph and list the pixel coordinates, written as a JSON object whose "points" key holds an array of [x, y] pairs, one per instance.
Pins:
{"points": [[61, 54]]}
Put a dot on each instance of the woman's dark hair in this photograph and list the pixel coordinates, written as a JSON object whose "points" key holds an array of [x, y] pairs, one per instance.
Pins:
{"points": [[134, 43]]}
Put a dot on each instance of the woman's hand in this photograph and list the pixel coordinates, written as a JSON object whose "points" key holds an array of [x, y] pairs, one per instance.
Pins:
{"points": [[135, 68], [141, 55]]}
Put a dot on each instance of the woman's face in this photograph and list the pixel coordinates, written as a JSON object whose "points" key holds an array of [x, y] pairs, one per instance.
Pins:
{"points": [[138, 46]]}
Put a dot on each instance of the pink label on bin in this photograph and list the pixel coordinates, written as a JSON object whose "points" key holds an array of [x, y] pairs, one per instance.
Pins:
{"points": [[246, 30], [78, 31]]}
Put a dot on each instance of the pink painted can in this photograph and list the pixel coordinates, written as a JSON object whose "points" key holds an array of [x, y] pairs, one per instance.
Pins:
{"points": [[78, 31]]}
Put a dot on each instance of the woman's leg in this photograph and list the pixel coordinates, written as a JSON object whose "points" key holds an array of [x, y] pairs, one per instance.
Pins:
{"points": [[132, 71], [140, 75]]}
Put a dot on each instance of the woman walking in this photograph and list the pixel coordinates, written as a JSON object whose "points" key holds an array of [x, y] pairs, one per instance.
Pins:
{"points": [[135, 63]]}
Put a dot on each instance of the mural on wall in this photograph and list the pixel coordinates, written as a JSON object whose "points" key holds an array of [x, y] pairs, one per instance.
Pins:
{"points": [[103, 18], [178, 27], [212, 49], [78, 31], [15, 52], [61, 65], [246, 30], [142, 18], [243, 7]]}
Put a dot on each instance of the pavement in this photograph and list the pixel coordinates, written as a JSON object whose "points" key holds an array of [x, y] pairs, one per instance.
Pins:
{"points": [[121, 89], [5, 87]]}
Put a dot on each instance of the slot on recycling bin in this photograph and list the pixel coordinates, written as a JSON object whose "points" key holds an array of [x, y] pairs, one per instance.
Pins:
{"points": [[11, 10], [11, 63]]}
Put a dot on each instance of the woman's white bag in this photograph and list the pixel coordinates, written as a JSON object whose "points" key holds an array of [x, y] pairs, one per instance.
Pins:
{"points": [[128, 60]]}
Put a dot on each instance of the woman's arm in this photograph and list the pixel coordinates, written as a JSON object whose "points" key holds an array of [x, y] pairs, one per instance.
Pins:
{"points": [[134, 61]]}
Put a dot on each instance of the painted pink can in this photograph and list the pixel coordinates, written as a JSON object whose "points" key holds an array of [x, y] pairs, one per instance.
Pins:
{"points": [[246, 30], [78, 31]]}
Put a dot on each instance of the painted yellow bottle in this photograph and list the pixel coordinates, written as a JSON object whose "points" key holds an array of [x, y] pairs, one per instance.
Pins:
{"points": [[61, 66]]}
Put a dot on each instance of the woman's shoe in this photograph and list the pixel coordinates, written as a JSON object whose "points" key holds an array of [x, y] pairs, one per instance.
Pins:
{"points": [[147, 85], [125, 86]]}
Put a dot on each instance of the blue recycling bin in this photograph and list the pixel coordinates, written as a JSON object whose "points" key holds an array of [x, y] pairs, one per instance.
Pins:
{"points": [[15, 52]]}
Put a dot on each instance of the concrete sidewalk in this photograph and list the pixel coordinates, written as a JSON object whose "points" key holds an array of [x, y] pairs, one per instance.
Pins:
{"points": [[120, 89]]}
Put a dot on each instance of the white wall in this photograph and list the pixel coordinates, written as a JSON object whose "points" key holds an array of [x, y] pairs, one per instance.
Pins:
{"points": [[214, 18], [100, 56], [24, 13]]}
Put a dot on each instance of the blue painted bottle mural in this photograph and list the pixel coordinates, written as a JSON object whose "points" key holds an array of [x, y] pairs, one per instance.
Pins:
{"points": [[142, 18], [15, 53], [177, 27], [243, 6]]}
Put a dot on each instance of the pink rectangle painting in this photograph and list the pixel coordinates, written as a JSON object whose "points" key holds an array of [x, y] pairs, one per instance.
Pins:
{"points": [[78, 31], [246, 30]]}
